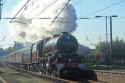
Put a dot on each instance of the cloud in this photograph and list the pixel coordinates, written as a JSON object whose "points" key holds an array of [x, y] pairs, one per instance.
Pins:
{"points": [[29, 28]]}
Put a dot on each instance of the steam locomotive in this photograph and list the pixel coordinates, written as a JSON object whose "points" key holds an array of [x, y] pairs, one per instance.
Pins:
{"points": [[56, 56]]}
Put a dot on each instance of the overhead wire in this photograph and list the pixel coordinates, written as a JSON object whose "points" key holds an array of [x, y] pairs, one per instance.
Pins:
{"points": [[61, 11], [89, 41], [78, 2], [19, 11], [13, 17], [41, 12], [49, 18], [45, 18], [19, 22], [3, 38], [65, 6], [104, 8], [27, 6], [35, 15], [65, 18], [45, 8], [99, 11]]}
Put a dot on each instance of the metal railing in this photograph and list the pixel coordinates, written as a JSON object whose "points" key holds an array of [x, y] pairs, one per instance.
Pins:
{"points": [[102, 62]]}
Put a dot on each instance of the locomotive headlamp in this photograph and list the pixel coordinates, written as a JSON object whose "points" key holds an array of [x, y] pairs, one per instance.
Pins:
{"points": [[70, 60], [81, 66]]}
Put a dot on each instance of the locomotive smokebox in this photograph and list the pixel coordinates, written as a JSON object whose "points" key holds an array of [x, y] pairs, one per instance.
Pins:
{"points": [[67, 44]]}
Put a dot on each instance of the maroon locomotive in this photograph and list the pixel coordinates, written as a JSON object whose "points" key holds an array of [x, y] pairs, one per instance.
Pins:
{"points": [[56, 56]]}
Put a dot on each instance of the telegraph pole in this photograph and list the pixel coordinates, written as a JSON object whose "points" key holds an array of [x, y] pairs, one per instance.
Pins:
{"points": [[111, 33], [110, 17], [106, 32], [110, 36], [107, 47]]}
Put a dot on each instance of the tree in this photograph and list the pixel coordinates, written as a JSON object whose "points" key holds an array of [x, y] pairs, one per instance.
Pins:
{"points": [[17, 46], [118, 50]]}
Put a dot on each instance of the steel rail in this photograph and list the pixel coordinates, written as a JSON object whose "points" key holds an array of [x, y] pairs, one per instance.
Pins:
{"points": [[52, 79]]}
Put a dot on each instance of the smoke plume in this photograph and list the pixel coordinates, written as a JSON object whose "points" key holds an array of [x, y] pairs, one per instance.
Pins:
{"points": [[29, 27]]}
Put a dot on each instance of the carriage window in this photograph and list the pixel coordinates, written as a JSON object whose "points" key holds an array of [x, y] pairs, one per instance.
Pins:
{"points": [[34, 48]]}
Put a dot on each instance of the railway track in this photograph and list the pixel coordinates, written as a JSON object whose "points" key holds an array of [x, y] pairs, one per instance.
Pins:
{"points": [[8, 75], [51, 79]]}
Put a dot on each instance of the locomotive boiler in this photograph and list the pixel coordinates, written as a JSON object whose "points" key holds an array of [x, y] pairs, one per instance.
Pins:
{"points": [[55, 56]]}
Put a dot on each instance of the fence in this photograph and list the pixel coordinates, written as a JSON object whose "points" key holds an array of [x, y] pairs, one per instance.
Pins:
{"points": [[104, 62]]}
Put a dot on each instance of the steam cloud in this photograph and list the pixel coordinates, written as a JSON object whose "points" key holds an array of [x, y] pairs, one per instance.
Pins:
{"points": [[29, 28]]}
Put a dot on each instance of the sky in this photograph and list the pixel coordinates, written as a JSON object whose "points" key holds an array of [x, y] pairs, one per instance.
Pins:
{"points": [[90, 31]]}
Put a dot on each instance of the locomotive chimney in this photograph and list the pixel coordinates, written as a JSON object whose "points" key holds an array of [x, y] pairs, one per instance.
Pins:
{"points": [[64, 33], [55, 35]]}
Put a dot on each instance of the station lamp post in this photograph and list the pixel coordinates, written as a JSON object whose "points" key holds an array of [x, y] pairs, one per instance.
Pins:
{"points": [[110, 17]]}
